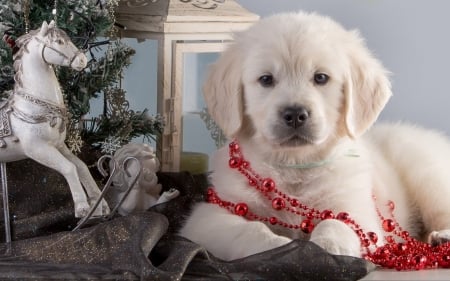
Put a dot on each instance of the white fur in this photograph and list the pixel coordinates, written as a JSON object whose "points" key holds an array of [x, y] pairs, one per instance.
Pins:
{"points": [[397, 162]]}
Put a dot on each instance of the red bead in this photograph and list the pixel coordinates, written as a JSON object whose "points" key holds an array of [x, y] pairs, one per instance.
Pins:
{"points": [[389, 262], [234, 146], [434, 264], [273, 220], [211, 195], [343, 216], [327, 214], [234, 162], [444, 261], [365, 242], [420, 261], [373, 237], [307, 226], [402, 247], [386, 252], [388, 225], [245, 164], [241, 209], [405, 234], [252, 182], [278, 203], [294, 202], [389, 239], [359, 232], [401, 264], [267, 185], [391, 205]]}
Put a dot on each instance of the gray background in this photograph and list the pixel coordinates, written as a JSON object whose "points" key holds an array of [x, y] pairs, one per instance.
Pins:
{"points": [[410, 37]]}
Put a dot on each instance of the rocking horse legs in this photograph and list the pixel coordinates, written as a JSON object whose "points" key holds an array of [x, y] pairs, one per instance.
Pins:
{"points": [[87, 181], [51, 157]]}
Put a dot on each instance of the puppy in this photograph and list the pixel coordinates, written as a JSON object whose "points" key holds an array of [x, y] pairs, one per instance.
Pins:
{"points": [[298, 94]]}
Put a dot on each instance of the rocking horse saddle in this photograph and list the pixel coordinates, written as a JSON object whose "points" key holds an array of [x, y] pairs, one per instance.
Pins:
{"points": [[51, 113]]}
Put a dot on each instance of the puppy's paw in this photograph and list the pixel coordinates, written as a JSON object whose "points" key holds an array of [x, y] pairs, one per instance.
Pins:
{"points": [[439, 237], [336, 238], [278, 241], [261, 239]]}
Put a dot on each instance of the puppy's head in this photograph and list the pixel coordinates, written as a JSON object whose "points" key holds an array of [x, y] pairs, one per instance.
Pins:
{"points": [[296, 81]]}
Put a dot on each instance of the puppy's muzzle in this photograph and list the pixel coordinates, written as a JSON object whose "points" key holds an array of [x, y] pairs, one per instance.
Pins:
{"points": [[295, 117], [294, 126]]}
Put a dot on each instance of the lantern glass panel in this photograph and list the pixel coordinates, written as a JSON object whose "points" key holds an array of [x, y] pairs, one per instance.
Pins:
{"points": [[200, 138]]}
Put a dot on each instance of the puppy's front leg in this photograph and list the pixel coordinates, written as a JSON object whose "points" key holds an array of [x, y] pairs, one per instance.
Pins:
{"points": [[336, 238], [228, 236]]}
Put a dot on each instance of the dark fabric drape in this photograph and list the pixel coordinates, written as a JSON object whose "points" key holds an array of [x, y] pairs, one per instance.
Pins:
{"points": [[142, 246]]}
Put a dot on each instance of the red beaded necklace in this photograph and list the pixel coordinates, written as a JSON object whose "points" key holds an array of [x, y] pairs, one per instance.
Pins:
{"points": [[407, 255]]}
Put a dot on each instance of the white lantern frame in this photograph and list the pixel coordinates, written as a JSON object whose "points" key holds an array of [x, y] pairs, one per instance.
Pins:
{"points": [[180, 27]]}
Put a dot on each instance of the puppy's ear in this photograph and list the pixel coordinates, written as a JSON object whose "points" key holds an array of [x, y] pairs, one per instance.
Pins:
{"points": [[223, 91], [366, 89]]}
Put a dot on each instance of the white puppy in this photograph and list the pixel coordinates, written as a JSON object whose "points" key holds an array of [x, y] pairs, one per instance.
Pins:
{"points": [[298, 92]]}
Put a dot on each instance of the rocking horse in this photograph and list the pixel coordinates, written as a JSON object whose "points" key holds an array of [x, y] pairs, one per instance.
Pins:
{"points": [[33, 119]]}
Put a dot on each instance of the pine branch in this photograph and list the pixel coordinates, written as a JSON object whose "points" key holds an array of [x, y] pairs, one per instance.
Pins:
{"points": [[89, 24]]}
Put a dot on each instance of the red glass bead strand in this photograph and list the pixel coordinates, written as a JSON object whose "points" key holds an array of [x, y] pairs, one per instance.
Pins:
{"points": [[410, 254]]}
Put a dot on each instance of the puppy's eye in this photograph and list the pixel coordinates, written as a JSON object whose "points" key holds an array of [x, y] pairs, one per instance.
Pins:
{"points": [[266, 80], [321, 78]]}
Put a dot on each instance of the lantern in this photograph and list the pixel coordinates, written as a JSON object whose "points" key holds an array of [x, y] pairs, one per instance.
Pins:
{"points": [[180, 27]]}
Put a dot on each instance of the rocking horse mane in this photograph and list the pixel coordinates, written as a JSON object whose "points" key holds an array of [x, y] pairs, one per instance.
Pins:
{"points": [[22, 43]]}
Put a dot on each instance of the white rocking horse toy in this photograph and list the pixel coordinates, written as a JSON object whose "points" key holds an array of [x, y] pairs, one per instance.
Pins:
{"points": [[33, 119]]}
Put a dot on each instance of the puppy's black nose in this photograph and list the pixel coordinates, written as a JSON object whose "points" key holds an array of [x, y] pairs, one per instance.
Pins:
{"points": [[295, 116]]}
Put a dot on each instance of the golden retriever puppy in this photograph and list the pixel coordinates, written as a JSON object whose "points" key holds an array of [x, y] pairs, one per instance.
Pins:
{"points": [[298, 93]]}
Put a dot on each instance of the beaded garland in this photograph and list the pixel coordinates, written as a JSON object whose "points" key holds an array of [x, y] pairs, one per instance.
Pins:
{"points": [[407, 255]]}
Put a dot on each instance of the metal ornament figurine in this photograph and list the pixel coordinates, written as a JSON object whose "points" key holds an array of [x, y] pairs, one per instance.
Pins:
{"points": [[33, 119]]}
